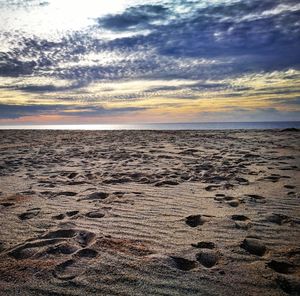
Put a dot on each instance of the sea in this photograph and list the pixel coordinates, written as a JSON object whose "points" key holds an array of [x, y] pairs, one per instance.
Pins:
{"points": [[165, 126]]}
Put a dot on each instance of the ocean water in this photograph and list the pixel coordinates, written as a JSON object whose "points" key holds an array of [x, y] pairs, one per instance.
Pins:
{"points": [[165, 126]]}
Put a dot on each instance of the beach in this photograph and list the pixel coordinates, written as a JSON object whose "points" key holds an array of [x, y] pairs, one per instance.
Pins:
{"points": [[150, 212]]}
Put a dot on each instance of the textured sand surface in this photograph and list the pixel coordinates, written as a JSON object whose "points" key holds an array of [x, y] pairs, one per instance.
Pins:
{"points": [[149, 213]]}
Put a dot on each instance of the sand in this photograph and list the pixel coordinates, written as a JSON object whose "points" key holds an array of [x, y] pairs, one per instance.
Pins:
{"points": [[149, 213]]}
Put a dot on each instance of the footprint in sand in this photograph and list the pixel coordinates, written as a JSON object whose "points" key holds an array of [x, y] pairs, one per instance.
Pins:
{"points": [[194, 220], [272, 178], [256, 198], [289, 186], [208, 258], [229, 200], [278, 219], [242, 181], [254, 246], [29, 214], [183, 263], [287, 278], [62, 271], [63, 248], [95, 196], [72, 175], [241, 221], [233, 203], [72, 268], [72, 213], [95, 214], [7, 204], [204, 245], [86, 253], [63, 216], [166, 182], [66, 193], [211, 187], [239, 218], [289, 284], [119, 193], [281, 266], [57, 242], [59, 217]]}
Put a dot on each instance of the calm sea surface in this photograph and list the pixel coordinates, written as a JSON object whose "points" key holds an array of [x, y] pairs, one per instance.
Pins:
{"points": [[165, 126]]}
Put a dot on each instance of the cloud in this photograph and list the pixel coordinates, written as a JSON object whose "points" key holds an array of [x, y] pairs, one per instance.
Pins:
{"points": [[192, 86], [295, 102], [212, 43], [42, 88], [13, 67], [19, 111], [136, 17], [23, 3], [213, 33], [249, 115], [237, 38]]}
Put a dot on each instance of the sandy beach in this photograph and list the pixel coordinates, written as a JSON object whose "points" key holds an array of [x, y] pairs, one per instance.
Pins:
{"points": [[150, 212]]}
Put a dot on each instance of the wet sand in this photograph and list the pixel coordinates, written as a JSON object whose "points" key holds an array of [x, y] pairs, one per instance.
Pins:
{"points": [[149, 212]]}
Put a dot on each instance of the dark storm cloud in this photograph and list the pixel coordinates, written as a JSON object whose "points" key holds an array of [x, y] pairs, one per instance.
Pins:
{"points": [[13, 67], [256, 40], [138, 17], [251, 36], [18, 111]]}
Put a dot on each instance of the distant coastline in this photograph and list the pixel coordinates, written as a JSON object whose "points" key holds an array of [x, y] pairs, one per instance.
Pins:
{"points": [[164, 126]]}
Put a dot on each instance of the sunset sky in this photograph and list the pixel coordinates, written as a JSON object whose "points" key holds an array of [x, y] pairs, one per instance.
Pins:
{"points": [[134, 61]]}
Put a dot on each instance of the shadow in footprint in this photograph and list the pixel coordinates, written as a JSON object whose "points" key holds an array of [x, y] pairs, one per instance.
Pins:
{"points": [[30, 249], [239, 218], [204, 245], [58, 217], [84, 238], [86, 253], [208, 258], [279, 219], [289, 186], [61, 241], [2, 248], [60, 233], [289, 284], [29, 214], [66, 193], [281, 266], [194, 220], [66, 271], [254, 246], [63, 248], [95, 214], [96, 196], [72, 213], [74, 267], [183, 264], [7, 204]]}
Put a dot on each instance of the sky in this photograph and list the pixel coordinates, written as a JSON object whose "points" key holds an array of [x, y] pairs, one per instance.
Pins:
{"points": [[135, 61]]}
